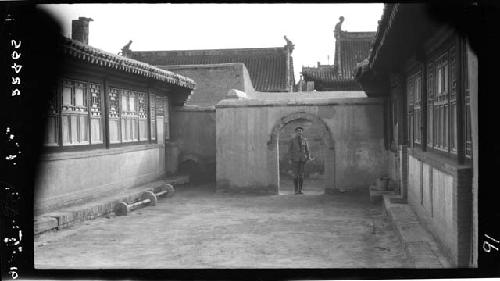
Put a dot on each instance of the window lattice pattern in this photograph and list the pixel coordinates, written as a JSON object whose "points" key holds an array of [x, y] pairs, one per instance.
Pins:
{"points": [[74, 113], [152, 106], [430, 102]]}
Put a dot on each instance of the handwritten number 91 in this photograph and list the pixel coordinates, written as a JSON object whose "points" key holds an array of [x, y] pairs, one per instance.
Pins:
{"points": [[487, 246]]}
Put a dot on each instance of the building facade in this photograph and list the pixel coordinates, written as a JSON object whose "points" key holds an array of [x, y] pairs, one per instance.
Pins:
{"points": [[428, 88], [216, 72], [108, 121]]}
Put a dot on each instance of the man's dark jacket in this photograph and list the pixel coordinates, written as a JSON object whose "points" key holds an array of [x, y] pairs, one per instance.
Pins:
{"points": [[298, 149]]}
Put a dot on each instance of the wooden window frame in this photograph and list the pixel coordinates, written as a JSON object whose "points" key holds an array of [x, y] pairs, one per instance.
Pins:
{"points": [[417, 107], [152, 117], [441, 104], [431, 76], [59, 110], [129, 116], [167, 117], [414, 108], [467, 112], [448, 113], [102, 108], [410, 112]]}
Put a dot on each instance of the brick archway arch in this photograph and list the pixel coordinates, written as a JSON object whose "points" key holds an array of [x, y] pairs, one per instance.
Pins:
{"points": [[273, 147]]}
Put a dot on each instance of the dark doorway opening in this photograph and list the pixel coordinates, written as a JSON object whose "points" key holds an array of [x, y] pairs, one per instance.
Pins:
{"points": [[314, 170]]}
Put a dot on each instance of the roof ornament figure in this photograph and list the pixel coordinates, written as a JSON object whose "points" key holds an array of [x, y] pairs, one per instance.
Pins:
{"points": [[126, 49], [289, 44], [338, 28]]}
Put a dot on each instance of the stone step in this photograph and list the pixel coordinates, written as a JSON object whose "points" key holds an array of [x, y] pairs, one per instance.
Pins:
{"points": [[376, 195], [103, 207], [419, 245]]}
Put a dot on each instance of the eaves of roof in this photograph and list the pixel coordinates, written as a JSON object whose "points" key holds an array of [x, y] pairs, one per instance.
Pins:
{"points": [[102, 58]]}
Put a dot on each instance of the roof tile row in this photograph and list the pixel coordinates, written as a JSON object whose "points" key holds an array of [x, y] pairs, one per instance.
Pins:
{"points": [[99, 57], [267, 67]]}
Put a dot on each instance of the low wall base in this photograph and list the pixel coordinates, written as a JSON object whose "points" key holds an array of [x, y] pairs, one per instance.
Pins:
{"points": [[225, 187]]}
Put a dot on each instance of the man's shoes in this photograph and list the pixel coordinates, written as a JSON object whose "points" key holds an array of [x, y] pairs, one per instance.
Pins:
{"points": [[300, 193]]}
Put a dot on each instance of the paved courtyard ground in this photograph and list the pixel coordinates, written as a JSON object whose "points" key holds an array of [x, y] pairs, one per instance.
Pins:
{"points": [[198, 228]]}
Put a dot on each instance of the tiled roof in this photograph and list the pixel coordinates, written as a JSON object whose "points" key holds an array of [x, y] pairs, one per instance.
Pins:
{"points": [[361, 35], [267, 66], [352, 48], [326, 78], [385, 24], [401, 31], [96, 56], [322, 73]]}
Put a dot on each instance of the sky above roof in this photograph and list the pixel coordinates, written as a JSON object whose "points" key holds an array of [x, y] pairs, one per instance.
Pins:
{"points": [[219, 26]]}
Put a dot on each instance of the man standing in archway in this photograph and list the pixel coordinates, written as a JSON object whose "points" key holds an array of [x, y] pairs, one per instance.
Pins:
{"points": [[298, 151]]}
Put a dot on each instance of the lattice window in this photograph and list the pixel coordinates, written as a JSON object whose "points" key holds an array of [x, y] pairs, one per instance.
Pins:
{"points": [[410, 93], [453, 101], [468, 136], [394, 115], [129, 117], [114, 115], [74, 113], [142, 115], [441, 104], [417, 88], [414, 95], [52, 129], [160, 109], [152, 107], [430, 102], [442, 116], [167, 118], [96, 117]]}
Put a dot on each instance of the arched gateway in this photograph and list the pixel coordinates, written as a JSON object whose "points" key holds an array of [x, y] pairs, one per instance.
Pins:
{"points": [[273, 147]]}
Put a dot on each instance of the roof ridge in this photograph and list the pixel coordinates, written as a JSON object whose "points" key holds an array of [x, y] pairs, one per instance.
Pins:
{"points": [[217, 50]]}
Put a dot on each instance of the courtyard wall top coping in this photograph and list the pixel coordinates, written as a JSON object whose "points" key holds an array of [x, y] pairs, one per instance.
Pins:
{"points": [[297, 102], [301, 98], [309, 94], [191, 108]]}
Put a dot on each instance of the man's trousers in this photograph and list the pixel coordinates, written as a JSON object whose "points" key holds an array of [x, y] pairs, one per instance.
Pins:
{"points": [[298, 169]]}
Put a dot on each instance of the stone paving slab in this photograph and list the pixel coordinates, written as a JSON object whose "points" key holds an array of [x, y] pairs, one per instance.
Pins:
{"points": [[412, 232], [417, 242], [422, 254], [202, 229], [66, 217], [402, 214]]}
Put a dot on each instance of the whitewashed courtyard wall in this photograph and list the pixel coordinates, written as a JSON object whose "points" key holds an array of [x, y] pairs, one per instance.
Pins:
{"points": [[246, 140]]}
